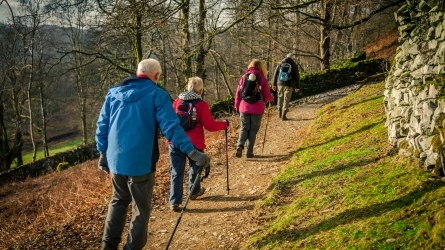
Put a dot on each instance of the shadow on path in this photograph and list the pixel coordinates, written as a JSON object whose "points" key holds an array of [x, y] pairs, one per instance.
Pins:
{"points": [[351, 215]]}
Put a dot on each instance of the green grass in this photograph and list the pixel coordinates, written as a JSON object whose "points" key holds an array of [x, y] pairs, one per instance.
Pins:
{"points": [[53, 149], [346, 188]]}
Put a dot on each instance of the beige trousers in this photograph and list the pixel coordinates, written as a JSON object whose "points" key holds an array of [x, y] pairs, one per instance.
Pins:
{"points": [[284, 94]]}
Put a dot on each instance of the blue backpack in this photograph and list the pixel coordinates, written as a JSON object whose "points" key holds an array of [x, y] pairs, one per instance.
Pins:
{"points": [[284, 74]]}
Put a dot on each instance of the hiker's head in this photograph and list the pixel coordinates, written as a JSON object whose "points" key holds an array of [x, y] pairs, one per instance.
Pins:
{"points": [[258, 64], [195, 84], [150, 68], [290, 55]]}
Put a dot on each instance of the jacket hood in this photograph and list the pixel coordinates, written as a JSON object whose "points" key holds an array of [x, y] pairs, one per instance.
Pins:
{"points": [[254, 70], [189, 95], [132, 89], [289, 60]]}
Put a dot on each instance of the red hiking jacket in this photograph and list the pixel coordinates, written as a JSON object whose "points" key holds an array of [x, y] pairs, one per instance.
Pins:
{"points": [[204, 120]]}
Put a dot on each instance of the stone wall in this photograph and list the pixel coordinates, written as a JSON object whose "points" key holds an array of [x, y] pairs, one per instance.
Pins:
{"points": [[49, 164], [414, 97]]}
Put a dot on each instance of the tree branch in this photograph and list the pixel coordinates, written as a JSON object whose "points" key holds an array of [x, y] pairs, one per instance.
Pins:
{"points": [[295, 7]]}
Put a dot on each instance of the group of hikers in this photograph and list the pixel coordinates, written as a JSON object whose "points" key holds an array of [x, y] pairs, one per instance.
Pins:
{"points": [[127, 137]]}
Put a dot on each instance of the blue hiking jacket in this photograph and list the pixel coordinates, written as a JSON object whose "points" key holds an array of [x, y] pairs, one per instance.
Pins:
{"points": [[128, 123]]}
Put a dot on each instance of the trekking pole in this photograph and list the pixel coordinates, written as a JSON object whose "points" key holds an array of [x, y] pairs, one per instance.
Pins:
{"points": [[227, 166], [267, 121], [183, 209]]}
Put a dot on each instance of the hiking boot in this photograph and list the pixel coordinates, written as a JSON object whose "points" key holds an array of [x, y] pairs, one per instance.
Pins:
{"points": [[284, 118], [239, 152], [201, 192], [175, 207], [279, 112], [250, 155]]}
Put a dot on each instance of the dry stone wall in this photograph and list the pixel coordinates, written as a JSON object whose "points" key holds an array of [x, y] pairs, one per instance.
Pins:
{"points": [[414, 95]]}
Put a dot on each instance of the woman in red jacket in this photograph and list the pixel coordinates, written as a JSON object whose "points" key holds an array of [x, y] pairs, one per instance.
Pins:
{"points": [[251, 112], [205, 120]]}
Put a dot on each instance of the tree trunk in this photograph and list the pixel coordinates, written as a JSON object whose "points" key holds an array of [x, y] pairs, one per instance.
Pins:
{"points": [[202, 44], [29, 95], [138, 38], [325, 40], [187, 57], [3, 140], [83, 118], [43, 111]]}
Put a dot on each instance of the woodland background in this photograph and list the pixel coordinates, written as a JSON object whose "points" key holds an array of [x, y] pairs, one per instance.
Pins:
{"points": [[60, 56]]}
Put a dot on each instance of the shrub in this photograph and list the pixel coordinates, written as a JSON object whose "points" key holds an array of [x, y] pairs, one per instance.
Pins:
{"points": [[62, 166]]}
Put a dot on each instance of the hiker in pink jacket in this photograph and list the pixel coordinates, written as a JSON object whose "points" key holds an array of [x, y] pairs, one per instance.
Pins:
{"points": [[251, 94]]}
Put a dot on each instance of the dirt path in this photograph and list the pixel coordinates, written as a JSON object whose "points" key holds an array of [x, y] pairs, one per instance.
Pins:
{"points": [[221, 220]]}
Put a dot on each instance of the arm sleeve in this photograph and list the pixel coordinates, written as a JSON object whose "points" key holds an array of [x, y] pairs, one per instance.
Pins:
{"points": [[206, 119], [169, 123], [265, 91], [103, 123], [275, 76], [238, 93]]}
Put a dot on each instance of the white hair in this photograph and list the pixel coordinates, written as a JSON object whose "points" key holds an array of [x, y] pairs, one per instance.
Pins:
{"points": [[195, 84], [149, 66]]}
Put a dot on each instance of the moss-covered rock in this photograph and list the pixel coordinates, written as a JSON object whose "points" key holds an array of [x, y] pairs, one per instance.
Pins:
{"points": [[62, 166], [223, 108]]}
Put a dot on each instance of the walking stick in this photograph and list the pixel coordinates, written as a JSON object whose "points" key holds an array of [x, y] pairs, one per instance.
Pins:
{"points": [[183, 209], [267, 121], [227, 166]]}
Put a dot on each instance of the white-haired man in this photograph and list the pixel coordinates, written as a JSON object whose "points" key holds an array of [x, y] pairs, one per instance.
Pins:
{"points": [[287, 78], [126, 138]]}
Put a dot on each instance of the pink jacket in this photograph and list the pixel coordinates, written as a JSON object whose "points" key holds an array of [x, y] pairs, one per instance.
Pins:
{"points": [[253, 108]]}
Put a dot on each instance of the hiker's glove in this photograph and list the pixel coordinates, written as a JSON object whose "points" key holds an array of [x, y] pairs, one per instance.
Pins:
{"points": [[103, 163], [202, 160], [227, 122], [274, 88]]}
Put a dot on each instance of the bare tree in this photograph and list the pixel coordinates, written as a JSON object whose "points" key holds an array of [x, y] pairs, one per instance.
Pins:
{"points": [[11, 98], [324, 13]]}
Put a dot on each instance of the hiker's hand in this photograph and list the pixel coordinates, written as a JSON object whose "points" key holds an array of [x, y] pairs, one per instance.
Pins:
{"points": [[274, 88], [202, 160], [103, 163], [296, 90], [227, 121]]}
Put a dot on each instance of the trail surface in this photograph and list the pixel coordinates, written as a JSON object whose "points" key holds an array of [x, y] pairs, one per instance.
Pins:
{"points": [[220, 219]]}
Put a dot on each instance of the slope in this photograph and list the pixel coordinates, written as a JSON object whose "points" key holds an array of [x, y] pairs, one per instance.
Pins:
{"points": [[345, 188]]}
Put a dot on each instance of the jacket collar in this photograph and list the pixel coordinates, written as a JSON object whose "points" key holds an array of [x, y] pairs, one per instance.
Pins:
{"points": [[189, 95]]}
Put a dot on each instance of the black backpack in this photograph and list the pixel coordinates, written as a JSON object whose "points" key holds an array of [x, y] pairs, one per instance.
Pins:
{"points": [[186, 112], [251, 89]]}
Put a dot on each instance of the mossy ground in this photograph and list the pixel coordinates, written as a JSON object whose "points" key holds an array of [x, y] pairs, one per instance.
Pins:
{"points": [[345, 188]]}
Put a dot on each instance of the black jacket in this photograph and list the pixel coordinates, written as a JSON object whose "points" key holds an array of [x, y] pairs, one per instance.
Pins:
{"points": [[294, 82]]}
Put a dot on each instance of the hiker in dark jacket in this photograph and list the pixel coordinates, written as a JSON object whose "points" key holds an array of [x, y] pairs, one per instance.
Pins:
{"points": [[126, 138], [204, 120], [285, 88]]}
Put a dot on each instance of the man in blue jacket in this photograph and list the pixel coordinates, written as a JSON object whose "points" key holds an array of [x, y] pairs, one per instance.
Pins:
{"points": [[126, 138]]}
